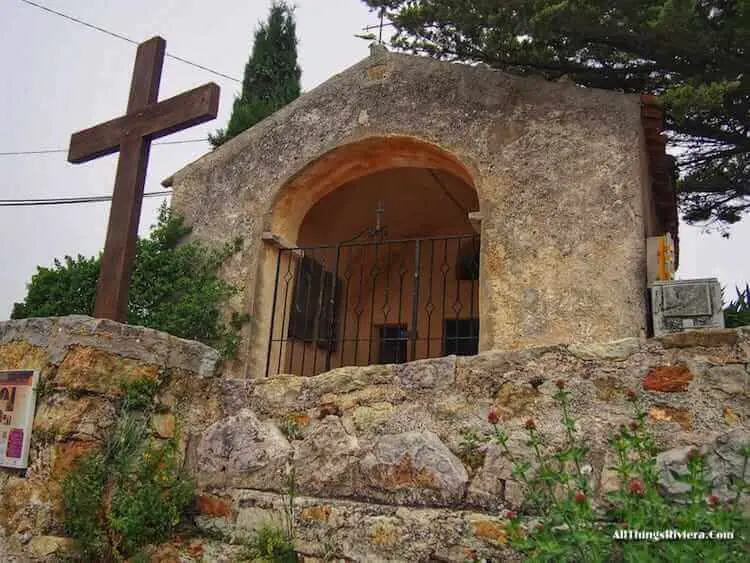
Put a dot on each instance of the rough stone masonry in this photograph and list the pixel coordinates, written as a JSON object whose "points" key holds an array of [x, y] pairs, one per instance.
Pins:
{"points": [[379, 471], [565, 188]]}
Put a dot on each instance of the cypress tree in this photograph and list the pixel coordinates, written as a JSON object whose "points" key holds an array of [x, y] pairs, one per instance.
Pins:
{"points": [[272, 75]]}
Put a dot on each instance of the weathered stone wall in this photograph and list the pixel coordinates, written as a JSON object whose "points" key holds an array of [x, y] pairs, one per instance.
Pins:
{"points": [[82, 362], [377, 462], [378, 466], [560, 173]]}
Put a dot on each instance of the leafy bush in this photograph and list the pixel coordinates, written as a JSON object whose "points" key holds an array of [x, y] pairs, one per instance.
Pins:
{"points": [[737, 313], [270, 543], [131, 492], [148, 504], [82, 494], [174, 287], [571, 528], [139, 394], [469, 448]]}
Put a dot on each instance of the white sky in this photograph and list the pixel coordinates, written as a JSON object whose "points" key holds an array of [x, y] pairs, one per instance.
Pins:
{"points": [[60, 77]]}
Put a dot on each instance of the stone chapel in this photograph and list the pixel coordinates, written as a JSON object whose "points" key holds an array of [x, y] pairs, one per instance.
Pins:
{"points": [[409, 208]]}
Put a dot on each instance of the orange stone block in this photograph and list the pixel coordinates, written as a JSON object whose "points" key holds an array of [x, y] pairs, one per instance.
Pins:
{"points": [[492, 532], [212, 506], [67, 453], [665, 413], [318, 513], [668, 379]]}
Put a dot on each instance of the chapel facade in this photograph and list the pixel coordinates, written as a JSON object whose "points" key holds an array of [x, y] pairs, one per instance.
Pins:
{"points": [[409, 208]]}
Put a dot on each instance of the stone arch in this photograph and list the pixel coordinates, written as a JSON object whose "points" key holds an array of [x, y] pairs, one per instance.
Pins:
{"points": [[351, 161], [349, 166]]}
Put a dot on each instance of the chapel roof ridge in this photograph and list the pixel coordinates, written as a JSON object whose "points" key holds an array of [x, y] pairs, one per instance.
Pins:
{"points": [[379, 53], [376, 51]]}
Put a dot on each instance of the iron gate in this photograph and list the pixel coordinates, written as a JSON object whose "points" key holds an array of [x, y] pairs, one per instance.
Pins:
{"points": [[373, 302]]}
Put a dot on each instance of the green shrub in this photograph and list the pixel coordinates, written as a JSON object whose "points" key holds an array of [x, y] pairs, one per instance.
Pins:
{"points": [[469, 448], [139, 394], [737, 313], [270, 543], [174, 287], [291, 429], [130, 493], [571, 528], [149, 503], [82, 494]]}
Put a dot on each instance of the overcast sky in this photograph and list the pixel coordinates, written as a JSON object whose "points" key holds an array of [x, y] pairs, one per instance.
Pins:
{"points": [[60, 77]]}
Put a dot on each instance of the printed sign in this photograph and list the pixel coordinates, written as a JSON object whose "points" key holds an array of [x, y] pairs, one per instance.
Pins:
{"points": [[17, 403]]}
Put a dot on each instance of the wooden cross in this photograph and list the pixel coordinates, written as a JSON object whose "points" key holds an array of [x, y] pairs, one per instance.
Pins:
{"points": [[131, 134]]}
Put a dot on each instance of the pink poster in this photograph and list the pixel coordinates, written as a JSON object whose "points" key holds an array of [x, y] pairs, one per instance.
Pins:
{"points": [[17, 403], [15, 443]]}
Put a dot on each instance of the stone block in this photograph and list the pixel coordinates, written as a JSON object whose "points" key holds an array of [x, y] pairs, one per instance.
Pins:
{"points": [[414, 467], [208, 505], [164, 425], [64, 417], [680, 305], [326, 460], [431, 374], [618, 350], [668, 379], [86, 368], [667, 413], [704, 338], [729, 379], [243, 451], [45, 546]]}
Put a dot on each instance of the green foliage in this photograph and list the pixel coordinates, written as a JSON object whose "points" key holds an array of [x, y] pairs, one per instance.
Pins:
{"points": [[44, 388], [130, 493], [174, 287], [271, 544], [291, 429], [571, 529], [737, 312], [68, 288], [148, 503], [692, 53], [139, 394], [82, 495], [468, 448], [272, 76]]}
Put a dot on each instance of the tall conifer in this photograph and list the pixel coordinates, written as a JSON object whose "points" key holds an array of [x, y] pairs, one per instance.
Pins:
{"points": [[272, 75]]}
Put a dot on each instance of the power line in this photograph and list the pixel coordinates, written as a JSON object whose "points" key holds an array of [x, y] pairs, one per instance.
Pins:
{"points": [[128, 39], [70, 200], [51, 151]]}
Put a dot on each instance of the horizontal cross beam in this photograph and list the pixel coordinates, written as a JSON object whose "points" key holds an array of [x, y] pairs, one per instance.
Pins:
{"points": [[157, 120]]}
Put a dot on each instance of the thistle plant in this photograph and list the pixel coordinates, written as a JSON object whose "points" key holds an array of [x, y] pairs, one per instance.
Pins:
{"points": [[571, 528]]}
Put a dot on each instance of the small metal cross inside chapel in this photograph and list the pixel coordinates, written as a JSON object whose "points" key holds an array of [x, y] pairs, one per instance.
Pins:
{"points": [[131, 135]]}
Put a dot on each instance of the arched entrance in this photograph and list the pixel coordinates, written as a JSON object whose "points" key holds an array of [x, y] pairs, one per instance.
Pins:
{"points": [[375, 260]]}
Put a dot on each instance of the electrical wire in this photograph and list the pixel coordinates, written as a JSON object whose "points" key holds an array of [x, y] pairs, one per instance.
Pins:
{"points": [[128, 39], [51, 151], [70, 200]]}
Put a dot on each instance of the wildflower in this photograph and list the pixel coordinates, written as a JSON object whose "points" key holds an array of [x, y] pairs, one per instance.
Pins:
{"points": [[493, 417], [713, 501], [530, 424], [580, 497], [636, 487], [560, 383], [631, 395], [510, 515]]}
